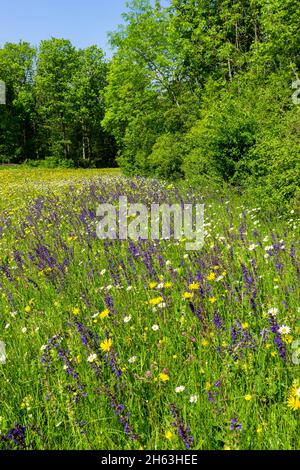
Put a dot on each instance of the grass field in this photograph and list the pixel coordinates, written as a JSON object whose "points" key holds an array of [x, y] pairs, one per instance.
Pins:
{"points": [[142, 345]]}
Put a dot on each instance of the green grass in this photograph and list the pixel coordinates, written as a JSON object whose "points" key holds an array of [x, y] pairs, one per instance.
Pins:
{"points": [[55, 275]]}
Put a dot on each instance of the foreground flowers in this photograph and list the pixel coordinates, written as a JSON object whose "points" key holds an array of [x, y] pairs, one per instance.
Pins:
{"points": [[294, 398], [106, 345]]}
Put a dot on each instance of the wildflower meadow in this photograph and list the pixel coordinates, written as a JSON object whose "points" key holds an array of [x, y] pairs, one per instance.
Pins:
{"points": [[141, 344]]}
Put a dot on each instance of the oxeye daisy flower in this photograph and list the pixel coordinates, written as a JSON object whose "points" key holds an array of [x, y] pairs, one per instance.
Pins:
{"points": [[155, 327], [193, 398], [132, 360], [106, 345], [180, 389], [284, 330], [273, 311], [162, 305], [252, 247], [127, 319], [92, 358]]}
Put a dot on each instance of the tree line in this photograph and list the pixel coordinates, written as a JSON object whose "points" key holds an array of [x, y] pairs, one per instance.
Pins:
{"points": [[200, 89], [54, 105]]}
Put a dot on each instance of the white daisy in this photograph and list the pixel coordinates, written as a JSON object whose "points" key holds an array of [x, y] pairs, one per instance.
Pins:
{"points": [[180, 389], [92, 358], [132, 360], [273, 311], [284, 330], [155, 327], [252, 247], [193, 399], [127, 319]]}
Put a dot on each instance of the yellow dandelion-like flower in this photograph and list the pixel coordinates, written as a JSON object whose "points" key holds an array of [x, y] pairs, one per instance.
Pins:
{"points": [[204, 342], [27, 309], [104, 314], [294, 397], [248, 397], [106, 345], [78, 359], [156, 301], [293, 403], [168, 285], [163, 377], [288, 339], [211, 277], [152, 285], [169, 435], [188, 295], [194, 286], [76, 311], [212, 300], [245, 326]]}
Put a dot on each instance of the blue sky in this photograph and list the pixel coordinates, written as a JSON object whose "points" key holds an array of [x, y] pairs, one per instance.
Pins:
{"points": [[84, 22]]}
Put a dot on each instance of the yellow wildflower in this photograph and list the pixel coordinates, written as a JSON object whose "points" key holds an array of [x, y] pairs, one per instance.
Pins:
{"points": [[288, 339], [294, 398], [152, 285], [169, 435], [194, 286], [163, 377], [104, 314], [207, 386], [106, 345], [211, 277], [188, 295], [156, 301]]}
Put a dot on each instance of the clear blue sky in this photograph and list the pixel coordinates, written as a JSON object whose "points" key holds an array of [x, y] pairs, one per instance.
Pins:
{"points": [[84, 22]]}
